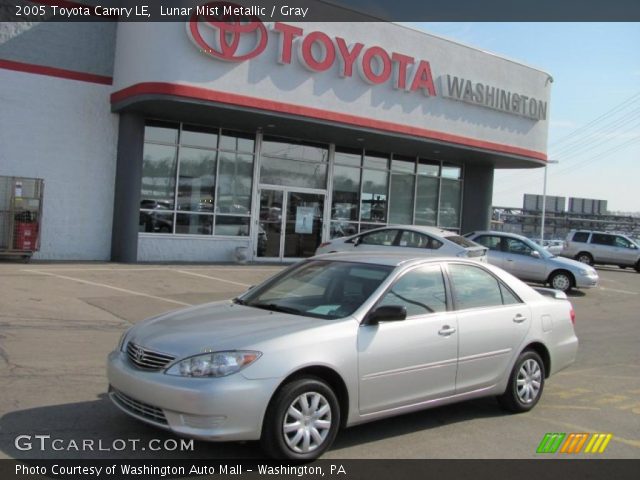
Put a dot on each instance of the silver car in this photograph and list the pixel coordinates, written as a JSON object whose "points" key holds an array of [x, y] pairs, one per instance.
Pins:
{"points": [[338, 340], [532, 263], [602, 248], [409, 240]]}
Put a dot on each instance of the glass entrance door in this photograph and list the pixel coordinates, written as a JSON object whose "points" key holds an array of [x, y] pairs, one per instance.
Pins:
{"points": [[290, 223]]}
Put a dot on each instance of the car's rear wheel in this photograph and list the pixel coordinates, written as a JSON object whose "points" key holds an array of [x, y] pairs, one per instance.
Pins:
{"points": [[561, 280], [526, 383], [585, 257], [637, 267], [302, 420]]}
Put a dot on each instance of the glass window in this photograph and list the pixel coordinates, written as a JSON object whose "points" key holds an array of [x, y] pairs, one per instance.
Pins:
{"points": [[376, 160], [232, 226], [508, 297], [492, 242], [383, 237], [450, 204], [418, 240], [402, 193], [194, 224], [299, 150], [602, 239], [462, 241], [237, 141], [200, 170], [581, 237], [159, 173], [348, 157], [474, 287], [342, 229], [421, 291], [403, 164], [280, 171], [197, 181], [346, 193], [518, 247], [451, 171], [374, 196], [163, 132], [199, 136], [622, 242], [427, 200], [234, 188], [428, 167]]}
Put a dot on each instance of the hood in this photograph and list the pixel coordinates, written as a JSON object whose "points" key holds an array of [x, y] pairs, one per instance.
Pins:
{"points": [[216, 326], [571, 264]]}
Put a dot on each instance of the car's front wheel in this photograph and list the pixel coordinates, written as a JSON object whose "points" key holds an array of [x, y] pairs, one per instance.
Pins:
{"points": [[561, 280], [302, 420], [526, 383]]}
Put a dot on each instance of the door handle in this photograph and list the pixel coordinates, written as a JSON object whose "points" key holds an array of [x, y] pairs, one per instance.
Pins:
{"points": [[519, 318], [446, 330]]}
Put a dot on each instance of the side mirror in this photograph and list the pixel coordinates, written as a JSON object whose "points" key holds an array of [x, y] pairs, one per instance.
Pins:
{"points": [[386, 313], [535, 254]]}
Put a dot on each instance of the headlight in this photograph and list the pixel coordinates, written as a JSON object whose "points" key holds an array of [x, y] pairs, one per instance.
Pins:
{"points": [[585, 271], [216, 364]]}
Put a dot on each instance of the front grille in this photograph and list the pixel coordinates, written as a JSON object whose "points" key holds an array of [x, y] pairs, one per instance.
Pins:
{"points": [[138, 408], [147, 359]]}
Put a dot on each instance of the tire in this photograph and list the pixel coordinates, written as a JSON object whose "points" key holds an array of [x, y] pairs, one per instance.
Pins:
{"points": [[529, 372], [637, 267], [622, 266], [561, 280], [316, 430], [585, 257]]}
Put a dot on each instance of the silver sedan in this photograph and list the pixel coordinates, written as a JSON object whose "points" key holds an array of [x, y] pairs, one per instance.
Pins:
{"points": [[532, 263], [338, 340]]}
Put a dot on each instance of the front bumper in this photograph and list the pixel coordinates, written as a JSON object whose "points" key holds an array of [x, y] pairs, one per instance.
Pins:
{"points": [[219, 409], [586, 281]]}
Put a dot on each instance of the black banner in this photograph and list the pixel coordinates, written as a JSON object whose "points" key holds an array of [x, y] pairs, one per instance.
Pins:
{"points": [[321, 10]]}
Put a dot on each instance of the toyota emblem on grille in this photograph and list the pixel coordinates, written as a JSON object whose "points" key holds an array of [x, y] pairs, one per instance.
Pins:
{"points": [[139, 354]]}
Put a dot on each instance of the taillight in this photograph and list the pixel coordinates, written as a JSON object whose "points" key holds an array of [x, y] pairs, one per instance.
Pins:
{"points": [[324, 244], [572, 313]]}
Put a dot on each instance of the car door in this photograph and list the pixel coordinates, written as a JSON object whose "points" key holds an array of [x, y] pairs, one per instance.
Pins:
{"points": [[410, 361], [520, 261], [626, 253], [495, 256], [492, 323], [602, 248]]}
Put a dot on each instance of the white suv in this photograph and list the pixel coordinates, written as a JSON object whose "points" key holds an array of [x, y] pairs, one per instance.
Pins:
{"points": [[591, 247]]}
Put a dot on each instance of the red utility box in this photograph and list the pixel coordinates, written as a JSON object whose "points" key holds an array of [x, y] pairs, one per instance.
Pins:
{"points": [[26, 236]]}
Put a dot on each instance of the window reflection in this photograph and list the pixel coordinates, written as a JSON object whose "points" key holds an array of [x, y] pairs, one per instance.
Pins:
{"points": [[159, 173], [197, 181], [373, 206]]}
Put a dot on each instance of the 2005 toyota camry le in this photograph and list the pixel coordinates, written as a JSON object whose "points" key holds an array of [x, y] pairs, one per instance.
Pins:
{"points": [[338, 340]]}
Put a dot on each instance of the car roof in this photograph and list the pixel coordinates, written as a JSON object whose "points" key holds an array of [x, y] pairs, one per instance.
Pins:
{"points": [[384, 258], [416, 228], [496, 232]]}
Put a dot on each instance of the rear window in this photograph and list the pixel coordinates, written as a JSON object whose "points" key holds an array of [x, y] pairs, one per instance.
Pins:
{"points": [[581, 237], [463, 242], [603, 239]]}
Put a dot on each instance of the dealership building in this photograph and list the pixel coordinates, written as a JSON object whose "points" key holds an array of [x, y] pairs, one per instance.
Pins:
{"points": [[197, 141]]}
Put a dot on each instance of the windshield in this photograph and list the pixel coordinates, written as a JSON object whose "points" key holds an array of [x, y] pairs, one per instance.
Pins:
{"points": [[544, 253], [319, 288]]}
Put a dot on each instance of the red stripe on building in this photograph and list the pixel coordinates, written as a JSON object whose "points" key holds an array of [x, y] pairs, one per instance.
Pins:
{"points": [[185, 91], [55, 72]]}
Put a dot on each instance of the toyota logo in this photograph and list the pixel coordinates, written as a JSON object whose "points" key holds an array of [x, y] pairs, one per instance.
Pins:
{"points": [[227, 37]]}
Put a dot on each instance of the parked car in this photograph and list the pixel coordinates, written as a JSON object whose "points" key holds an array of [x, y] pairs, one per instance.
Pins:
{"points": [[338, 340], [532, 263], [553, 246], [408, 239], [591, 247]]}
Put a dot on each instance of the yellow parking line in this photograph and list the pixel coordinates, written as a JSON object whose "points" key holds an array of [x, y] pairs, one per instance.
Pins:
{"points": [[104, 285]]}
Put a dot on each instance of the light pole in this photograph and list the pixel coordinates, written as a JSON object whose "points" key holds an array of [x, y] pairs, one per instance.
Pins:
{"points": [[544, 199]]}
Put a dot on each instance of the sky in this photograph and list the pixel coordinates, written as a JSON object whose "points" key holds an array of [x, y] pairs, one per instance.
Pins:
{"points": [[595, 67]]}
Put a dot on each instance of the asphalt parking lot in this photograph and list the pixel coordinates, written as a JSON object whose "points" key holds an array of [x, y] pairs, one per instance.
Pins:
{"points": [[58, 322]]}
